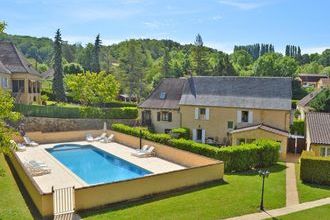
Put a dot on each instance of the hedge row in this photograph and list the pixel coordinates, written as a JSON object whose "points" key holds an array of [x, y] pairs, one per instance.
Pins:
{"points": [[181, 133], [261, 153], [76, 112], [314, 169], [298, 127]]}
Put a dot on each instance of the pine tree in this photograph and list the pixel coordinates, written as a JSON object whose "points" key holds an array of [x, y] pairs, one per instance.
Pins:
{"points": [[58, 87], [166, 64], [96, 55], [199, 56]]}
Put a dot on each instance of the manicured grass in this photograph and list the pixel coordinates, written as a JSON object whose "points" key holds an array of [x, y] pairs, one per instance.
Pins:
{"points": [[12, 203], [238, 195], [318, 213], [308, 192]]}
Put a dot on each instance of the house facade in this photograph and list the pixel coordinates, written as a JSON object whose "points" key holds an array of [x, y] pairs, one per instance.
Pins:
{"points": [[323, 83], [310, 79], [161, 110], [230, 110], [318, 133], [18, 76]]}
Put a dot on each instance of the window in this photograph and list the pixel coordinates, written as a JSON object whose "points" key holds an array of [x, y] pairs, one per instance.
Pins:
{"points": [[4, 82], [164, 116], [162, 95], [230, 125], [202, 113], [325, 151], [199, 135], [245, 116], [18, 85]]}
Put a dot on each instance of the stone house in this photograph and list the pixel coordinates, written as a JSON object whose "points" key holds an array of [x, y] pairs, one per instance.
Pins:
{"points": [[17, 75], [310, 79], [318, 133], [222, 110]]}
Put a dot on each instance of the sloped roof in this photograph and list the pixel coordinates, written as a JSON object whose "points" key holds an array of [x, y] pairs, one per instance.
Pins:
{"points": [[308, 98], [239, 92], [262, 127], [173, 91], [3, 69], [311, 77], [13, 60], [319, 127]]}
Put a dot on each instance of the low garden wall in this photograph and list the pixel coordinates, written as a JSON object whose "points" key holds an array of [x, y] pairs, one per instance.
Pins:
{"points": [[200, 170], [73, 124]]}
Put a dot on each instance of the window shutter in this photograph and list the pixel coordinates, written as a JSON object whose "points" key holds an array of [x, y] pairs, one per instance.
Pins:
{"points": [[207, 114], [194, 136], [250, 120], [170, 116], [239, 116], [203, 136], [158, 116], [196, 113]]}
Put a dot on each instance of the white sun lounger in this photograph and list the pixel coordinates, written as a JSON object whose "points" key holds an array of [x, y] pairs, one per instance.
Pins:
{"points": [[89, 138], [148, 153], [37, 169], [107, 139], [17, 147], [29, 142], [101, 137], [143, 149]]}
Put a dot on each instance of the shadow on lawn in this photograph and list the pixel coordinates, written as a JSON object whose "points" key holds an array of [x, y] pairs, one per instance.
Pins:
{"points": [[273, 169], [148, 199], [32, 208]]}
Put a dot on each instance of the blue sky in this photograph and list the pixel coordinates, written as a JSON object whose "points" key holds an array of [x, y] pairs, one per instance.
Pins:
{"points": [[222, 23]]}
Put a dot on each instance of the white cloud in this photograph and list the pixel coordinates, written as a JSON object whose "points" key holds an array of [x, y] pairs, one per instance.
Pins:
{"points": [[243, 4], [217, 17]]}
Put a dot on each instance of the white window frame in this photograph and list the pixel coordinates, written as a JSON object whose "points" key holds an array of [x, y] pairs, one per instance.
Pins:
{"points": [[326, 151], [232, 128], [199, 116]]}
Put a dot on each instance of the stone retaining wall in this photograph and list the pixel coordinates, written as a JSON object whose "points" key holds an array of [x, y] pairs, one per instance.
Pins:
{"points": [[59, 124]]}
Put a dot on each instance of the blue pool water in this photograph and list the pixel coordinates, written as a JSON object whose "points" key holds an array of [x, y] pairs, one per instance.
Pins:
{"points": [[95, 166]]}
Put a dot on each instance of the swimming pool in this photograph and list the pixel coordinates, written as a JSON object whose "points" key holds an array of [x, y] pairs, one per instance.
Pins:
{"points": [[94, 165]]}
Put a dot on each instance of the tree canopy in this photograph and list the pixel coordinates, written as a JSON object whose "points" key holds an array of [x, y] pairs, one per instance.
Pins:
{"points": [[321, 103]]}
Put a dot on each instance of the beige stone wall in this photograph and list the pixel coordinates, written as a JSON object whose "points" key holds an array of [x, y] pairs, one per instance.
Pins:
{"points": [[262, 134], [316, 148], [216, 126], [160, 126], [175, 155]]}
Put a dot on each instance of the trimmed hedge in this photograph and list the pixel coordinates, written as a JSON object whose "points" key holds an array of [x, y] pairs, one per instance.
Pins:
{"points": [[181, 133], [298, 126], [315, 169], [261, 153], [76, 112]]}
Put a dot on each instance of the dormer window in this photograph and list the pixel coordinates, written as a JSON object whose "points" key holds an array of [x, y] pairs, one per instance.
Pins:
{"points": [[162, 95]]}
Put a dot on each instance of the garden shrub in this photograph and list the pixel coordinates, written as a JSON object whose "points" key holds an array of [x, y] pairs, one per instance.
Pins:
{"points": [[315, 169], [181, 133], [77, 112], [260, 153], [298, 127]]}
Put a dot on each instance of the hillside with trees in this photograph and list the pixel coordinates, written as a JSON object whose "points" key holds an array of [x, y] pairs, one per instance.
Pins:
{"points": [[139, 64]]}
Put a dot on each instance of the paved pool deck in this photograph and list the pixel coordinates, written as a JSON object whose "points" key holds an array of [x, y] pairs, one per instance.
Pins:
{"points": [[61, 176]]}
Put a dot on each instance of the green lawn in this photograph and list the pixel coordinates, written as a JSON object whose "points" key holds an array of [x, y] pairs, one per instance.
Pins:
{"points": [[12, 203], [308, 192], [319, 213], [238, 195]]}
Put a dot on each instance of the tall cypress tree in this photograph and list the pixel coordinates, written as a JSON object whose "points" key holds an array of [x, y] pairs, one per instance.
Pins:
{"points": [[96, 55], [58, 87], [166, 64], [199, 57]]}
